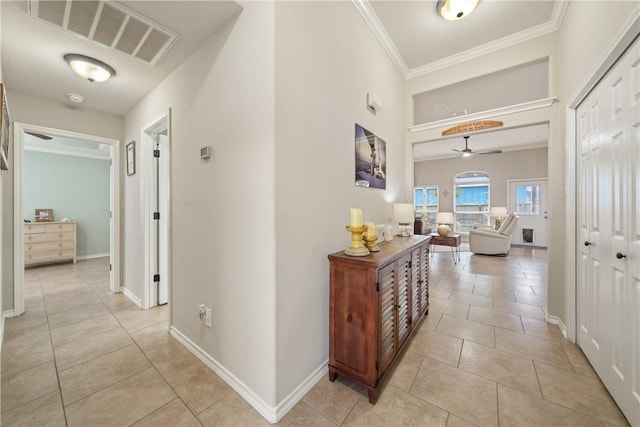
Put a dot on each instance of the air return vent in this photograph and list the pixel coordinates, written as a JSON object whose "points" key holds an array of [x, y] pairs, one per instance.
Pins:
{"points": [[108, 23]]}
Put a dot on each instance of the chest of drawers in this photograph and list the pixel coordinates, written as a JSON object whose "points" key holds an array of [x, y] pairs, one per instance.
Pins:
{"points": [[49, 242]]}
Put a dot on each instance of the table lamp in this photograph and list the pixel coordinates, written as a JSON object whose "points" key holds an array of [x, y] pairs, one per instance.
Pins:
{"points": [[444, 219], [403, 213], [499, 213]]}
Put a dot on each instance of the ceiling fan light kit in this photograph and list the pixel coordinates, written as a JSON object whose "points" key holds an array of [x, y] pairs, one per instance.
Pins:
{"points": [[454, 10], [89, 68]]}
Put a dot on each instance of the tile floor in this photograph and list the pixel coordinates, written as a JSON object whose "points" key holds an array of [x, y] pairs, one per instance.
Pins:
{"points": [[81, 356]]}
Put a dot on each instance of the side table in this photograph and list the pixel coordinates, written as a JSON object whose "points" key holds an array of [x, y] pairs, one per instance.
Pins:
{"points": [[452, 240]]}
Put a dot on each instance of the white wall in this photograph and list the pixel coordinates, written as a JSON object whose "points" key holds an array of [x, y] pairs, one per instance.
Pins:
{"points": [[327, 59], [223, 225], [25, 108], [522, 164], [585, 38]]}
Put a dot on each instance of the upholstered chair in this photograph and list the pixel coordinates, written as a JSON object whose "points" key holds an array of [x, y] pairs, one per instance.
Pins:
{"points": [[487, 241]]}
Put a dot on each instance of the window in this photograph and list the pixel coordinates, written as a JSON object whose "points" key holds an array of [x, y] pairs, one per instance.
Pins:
{"points": [[425, 201], [472, 200], [528, 199]]}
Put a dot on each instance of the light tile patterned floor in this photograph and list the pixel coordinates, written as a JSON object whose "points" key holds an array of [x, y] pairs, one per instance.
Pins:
{"points": [[81, 356]]}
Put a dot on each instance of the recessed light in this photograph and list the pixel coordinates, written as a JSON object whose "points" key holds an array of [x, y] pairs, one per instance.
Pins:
{"points": [[74, 97]]}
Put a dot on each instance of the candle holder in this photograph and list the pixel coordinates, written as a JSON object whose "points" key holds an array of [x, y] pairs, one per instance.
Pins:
{"points": [[370, 243], [356, 248]]}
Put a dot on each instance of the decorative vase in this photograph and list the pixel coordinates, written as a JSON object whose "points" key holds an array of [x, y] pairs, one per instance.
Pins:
{"points": [[444, 230]]}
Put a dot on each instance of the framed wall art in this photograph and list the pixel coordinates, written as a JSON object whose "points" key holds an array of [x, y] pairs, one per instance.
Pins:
{"points": [[4, 130], [371, 160], [131, 158]]}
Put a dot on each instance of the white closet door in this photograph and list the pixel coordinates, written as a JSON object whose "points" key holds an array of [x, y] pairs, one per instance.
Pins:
{"points": [[609, 251]]}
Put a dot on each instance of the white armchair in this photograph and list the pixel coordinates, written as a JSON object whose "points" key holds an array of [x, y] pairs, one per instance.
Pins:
{"points": [[487, 241]]}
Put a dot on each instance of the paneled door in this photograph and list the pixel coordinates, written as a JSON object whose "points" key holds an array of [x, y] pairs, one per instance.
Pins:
{"points": [[528, 199], [608, 252]]}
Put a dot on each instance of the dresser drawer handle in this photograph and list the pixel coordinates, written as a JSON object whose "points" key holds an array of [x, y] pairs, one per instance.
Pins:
{"points": [[60, 235]]}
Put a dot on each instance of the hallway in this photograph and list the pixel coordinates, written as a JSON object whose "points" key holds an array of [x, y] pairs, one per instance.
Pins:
{"points": [[82, 356]]}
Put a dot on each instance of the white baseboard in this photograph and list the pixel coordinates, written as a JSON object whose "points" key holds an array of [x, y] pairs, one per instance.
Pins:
{"points": [[83, 257], [8, 313], [131, 296], [555, 320], [271, 413]]}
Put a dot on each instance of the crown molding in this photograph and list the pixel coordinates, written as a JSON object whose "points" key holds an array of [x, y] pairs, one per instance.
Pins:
{"points": [[376, 26], [370, 17], [483, 115]]}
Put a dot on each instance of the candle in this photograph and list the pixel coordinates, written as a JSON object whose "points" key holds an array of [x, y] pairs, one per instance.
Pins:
{"points": [[355, 217], [371, 229]]}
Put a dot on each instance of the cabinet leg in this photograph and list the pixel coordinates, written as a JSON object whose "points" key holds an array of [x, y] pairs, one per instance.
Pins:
{"points": [[332, 375], [373, 396]]}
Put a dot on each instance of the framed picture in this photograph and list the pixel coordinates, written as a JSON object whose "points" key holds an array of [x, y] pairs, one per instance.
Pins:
{"points": [[131, 158], [4, 131], [44, 215], [371, 160]]}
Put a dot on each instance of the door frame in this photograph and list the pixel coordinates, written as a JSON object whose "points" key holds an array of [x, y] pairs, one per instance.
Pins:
{"points": [[18, 214], [509, 182], [618, 46], [149, 296]]}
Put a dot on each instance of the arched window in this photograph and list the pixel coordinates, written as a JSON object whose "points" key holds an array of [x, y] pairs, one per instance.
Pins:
{"points": [[472, 200]]}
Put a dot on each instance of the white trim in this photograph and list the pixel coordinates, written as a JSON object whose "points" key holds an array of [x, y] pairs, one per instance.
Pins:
{"points": [[555, 320], [8, 313], [18, 235], [67, 152], [372, 20], [624, 38], [482, 115], [134, 299], [272, 414], [93, 256]]}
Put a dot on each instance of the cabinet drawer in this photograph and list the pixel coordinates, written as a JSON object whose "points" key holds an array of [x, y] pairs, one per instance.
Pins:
{"points": [[48, 237], [61, 255], [34, 228], [47, 246], [55, 228]]}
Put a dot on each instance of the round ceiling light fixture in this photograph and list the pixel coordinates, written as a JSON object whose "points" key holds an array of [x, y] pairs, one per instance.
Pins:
{"points": [[74, 97], [454, 10], [89, 68]]}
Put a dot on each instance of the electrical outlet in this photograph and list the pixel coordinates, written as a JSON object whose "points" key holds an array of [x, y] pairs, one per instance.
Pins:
{"points": [[201, 311], [208, 319]]}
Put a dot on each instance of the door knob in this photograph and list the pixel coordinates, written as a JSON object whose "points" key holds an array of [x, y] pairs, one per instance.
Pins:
{"points": [[587, 243], [620, 255]]}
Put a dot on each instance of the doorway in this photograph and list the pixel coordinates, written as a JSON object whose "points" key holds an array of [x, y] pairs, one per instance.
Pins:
{"points": [[528, 200], [114, 204], [155, 163]]}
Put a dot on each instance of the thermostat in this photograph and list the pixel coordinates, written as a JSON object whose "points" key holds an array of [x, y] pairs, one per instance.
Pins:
{"points": [[205, 152]]}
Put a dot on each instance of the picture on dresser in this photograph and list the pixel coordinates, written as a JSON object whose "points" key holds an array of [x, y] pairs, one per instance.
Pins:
{"points": [[44, 215], [371, 160]]}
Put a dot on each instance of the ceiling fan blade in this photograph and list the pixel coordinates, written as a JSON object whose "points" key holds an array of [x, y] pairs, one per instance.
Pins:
{"points": [[39, 135], [488, 152], [457, 151]]}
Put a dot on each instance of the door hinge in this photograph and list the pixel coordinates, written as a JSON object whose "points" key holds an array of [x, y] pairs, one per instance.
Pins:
{"points": [[377, 287], [156, 215], [409, 264], [110, 214], [156, 277], [110, 267], [110, 162], [156, 153]]}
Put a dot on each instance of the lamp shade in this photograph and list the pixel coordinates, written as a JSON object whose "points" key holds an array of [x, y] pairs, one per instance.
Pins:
{"points": [[403, 212], [89, 68], [444, 218], [498, 212]]}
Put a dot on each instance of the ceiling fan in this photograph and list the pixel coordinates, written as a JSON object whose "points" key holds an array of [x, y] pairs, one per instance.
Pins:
{"points": [[38, 135], [469, 152]]}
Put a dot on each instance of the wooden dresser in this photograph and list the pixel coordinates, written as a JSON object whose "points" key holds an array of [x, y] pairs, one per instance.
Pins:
{"points": [[46, 242], [375, 304]]}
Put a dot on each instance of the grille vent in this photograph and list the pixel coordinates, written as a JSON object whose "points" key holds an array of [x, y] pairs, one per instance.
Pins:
{"points": [[108, 23]]}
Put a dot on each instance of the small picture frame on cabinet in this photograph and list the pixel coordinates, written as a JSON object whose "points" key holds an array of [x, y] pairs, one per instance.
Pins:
{"points": [[44, 215], [131, 158]]}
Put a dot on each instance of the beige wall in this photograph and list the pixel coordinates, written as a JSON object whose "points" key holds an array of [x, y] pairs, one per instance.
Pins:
{"points": [[523, 164], [323, 74]]}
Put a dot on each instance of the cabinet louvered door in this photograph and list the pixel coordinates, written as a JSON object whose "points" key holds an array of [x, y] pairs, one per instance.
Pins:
{"points": [[424, 278], [403, 273], [416, 287], [387, 298]]}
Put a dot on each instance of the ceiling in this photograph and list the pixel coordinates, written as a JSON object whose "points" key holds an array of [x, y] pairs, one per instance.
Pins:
{"points": [[417, 39]]}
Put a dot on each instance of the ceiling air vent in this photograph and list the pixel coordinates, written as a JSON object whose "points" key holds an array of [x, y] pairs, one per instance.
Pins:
{"points": [[108, 23]]}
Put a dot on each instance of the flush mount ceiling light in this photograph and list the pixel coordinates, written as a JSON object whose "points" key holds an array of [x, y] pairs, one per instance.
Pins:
{"points": [[453, 10], [89, 68]]}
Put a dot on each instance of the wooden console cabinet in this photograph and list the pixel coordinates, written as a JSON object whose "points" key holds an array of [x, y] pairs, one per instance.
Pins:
{"points": [[375, 304], [46, 242]]}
